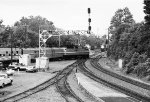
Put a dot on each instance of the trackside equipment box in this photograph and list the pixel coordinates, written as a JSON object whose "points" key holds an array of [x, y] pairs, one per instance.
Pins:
{"points": [[25, 59], [42, 63]]}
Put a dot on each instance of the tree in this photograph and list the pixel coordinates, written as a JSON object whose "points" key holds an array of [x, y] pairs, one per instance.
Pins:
{"points": [[119, 25], [122, 16], [34, 23], [6, 36], [26, 30], [147, 11], [2, 29]]}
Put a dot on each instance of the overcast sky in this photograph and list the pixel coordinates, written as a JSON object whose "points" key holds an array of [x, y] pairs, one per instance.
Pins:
{"points": [[70, 14]]}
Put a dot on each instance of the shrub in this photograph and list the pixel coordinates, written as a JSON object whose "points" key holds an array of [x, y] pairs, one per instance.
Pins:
{"points": [[140, 69], [127, 58], [142, 58], [133, 62], [143, 69], [128, 69]]}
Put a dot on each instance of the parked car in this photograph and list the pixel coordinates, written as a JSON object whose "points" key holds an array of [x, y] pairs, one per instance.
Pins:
{"points": [[31, 69], [17, 66], [10, 72], [22, 67], [14, 66], [5, 80]]}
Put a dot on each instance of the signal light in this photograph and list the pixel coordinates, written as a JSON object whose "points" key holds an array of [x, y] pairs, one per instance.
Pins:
{"points": [[89, 10], [89, 28], [89, 20]]}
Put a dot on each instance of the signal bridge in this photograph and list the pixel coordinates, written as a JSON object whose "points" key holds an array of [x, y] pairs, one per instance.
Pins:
{"points": [[45, 35]]}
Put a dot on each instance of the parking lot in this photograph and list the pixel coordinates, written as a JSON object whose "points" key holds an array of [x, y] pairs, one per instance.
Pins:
{"points": [[23, 80]]}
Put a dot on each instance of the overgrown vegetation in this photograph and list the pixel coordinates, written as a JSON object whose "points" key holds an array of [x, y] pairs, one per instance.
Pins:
{"points": [[130, 41]]}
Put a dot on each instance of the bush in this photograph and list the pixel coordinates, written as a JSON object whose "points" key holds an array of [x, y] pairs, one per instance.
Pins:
{"points": [[143, 69], [128, 69], [133, 62], [127, 58], [142, 58]]}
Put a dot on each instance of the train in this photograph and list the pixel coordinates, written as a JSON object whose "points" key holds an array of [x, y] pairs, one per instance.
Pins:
{"points": [[58, 53], [51, 53]]}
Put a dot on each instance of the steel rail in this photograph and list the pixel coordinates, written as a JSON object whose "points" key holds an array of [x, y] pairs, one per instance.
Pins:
{"points": [[122, 89], [65, 91], [94, 63]]}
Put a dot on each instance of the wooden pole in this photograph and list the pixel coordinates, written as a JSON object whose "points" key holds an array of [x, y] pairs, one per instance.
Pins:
{"points": [[11, 46]]}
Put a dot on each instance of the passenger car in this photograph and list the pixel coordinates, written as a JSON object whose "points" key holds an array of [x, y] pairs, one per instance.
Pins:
{"points": [[10, 72], [31, 69], [14, 66], [5, 80]]}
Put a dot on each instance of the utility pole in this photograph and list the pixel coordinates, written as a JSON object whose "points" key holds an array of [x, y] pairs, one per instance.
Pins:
{"points": [[11, 44], [39, 43], [108, 44], [58, 36], [25, 35], [59, 40]]}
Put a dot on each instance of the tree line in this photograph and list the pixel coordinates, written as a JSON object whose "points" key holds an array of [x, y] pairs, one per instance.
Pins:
{"points": [[130, 41], [25, 33]]}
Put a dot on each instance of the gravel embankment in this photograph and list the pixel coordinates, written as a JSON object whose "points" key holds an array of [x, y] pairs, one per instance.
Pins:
{"points": [[117, 81], [48, 95], [79, 90], [59, 65]]}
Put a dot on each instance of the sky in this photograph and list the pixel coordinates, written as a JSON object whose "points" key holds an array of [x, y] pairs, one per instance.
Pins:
{"points": [[70, 14]]}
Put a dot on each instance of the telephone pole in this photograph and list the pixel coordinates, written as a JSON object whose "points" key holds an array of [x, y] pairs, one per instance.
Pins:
{"points": [[25, 35], [108, 44], [11, 44]]}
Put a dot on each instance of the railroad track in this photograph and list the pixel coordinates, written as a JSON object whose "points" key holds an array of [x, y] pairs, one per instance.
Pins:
{"points": [[96, 77], [65, 90], [94, 63], [138, 96], [42, 86]]}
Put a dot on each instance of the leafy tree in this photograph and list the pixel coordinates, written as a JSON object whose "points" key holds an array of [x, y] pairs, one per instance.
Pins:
{"points": [[122, 16], [34, 23], [26, 31], [120, 23], [147, 11], [6, 36], [2, 29]]}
